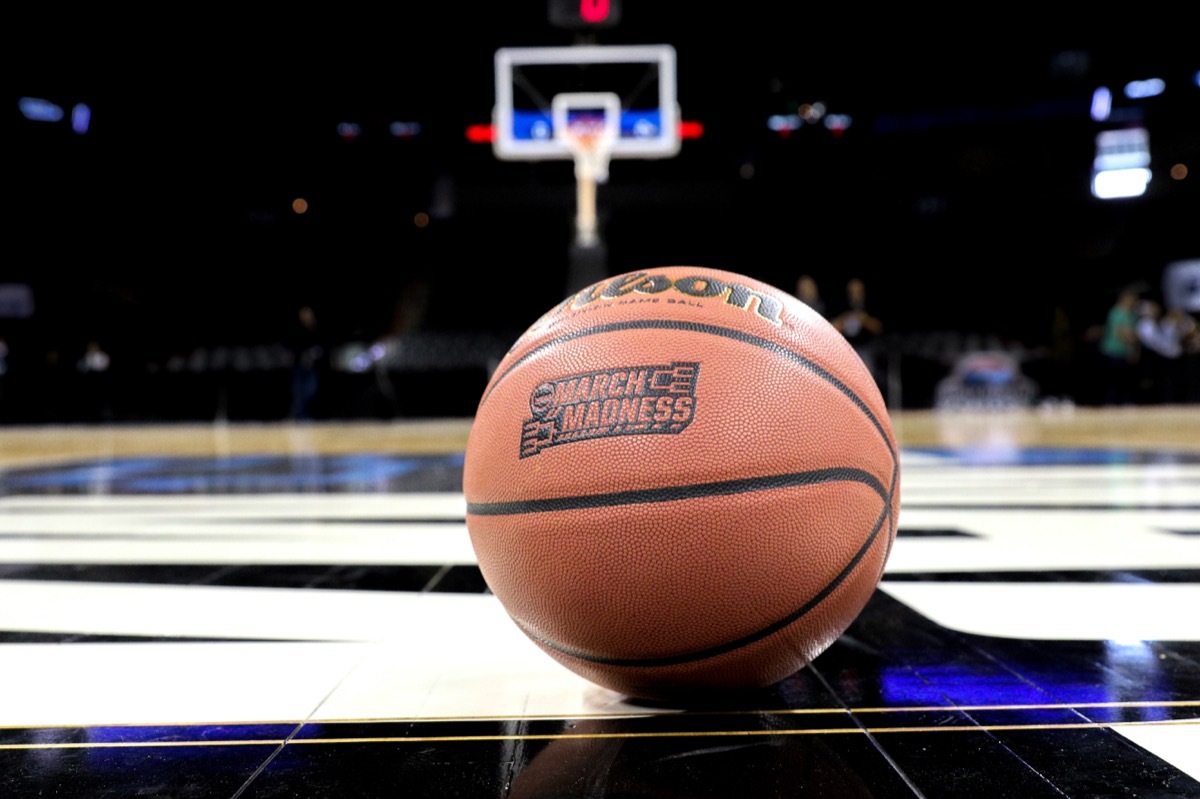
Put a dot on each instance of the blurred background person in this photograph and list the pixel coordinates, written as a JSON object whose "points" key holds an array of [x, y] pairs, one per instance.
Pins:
{"points": [[1120, 348], [809, 293], [3, 372], [309, 356], [861, 327], [93, 368], [1164, 339]]}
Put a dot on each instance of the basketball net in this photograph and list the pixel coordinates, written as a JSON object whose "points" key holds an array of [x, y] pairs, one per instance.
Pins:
{"points": [[590, 143]]}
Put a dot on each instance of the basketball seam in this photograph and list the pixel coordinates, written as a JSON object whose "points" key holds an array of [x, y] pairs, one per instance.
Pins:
{"points": [[680, 492], [736, 335], [714, 330], [728, 646]]}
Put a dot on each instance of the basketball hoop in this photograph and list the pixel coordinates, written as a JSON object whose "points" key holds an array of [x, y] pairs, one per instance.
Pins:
{"points": [[590, 143], [591, 149], [587, 125]]}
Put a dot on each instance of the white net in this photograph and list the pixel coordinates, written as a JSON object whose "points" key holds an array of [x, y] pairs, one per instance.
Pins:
{"points": [[591, 147], [587, 125]]}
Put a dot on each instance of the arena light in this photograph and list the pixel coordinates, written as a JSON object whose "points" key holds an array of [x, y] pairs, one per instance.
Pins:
{"points": [[837, 124], [784, 124], [81, 118], [812, 112], [480, 134], [1114, 184], [367, 359], [1121, 167], [39, 110], [1101, 103], [1139, 89], [405, 130]]}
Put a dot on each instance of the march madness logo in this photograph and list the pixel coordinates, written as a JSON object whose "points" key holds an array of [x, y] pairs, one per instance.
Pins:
{"points": [[612, 402]]}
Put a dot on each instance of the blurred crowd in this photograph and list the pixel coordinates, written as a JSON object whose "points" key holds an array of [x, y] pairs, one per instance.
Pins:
{"points": [[1139, 351], [1149, 352], [1142, 349]]}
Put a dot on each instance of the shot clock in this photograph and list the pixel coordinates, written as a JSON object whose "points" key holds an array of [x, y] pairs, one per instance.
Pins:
{"points": [[584, 15]]}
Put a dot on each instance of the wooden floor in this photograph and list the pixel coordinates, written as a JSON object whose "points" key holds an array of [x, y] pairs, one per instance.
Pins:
{"points": [[1169, 427]]}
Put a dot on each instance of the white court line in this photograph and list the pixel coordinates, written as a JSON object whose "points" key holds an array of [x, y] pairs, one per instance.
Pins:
{"points": [[409, 656], [83, 526], [1002, 540], [215, 611], [1038, 541], [425, 505], [1114, 485], [421, 660], [167, 683], [223, 530], [1177, 744], [400, 544], [1059, 611]]}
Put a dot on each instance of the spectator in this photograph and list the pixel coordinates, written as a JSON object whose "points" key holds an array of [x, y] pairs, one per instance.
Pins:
{"points": [[94, 358], [1120, 349], [308, 359], [810, 294], [3, 372], [860, 327], [95, 391], [1164, 340]]}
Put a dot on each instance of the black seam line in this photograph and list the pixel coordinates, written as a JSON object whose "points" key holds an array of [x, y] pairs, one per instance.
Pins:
{"points": [[712, 330], [893, 523], [676, 493], [729, 646]]}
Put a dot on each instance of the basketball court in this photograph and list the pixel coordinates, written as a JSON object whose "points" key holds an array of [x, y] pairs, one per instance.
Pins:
{"points": [[296, 610]]}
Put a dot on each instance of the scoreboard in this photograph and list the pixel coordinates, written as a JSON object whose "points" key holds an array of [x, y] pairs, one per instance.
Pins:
{"points": [[584, 15]]}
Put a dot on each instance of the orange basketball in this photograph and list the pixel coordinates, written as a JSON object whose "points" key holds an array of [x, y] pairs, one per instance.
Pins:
{"points": [[682, 479]]}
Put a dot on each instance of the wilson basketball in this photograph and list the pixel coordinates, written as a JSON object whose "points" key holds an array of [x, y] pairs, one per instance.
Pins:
{"points": [[682, 479]]}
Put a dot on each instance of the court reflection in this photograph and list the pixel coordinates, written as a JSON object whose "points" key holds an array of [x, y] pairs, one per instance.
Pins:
{"points": [[769, 756]]}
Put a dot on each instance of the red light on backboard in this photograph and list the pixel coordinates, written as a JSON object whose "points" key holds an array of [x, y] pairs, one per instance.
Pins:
{"points": [[690, 130], [480, 134]]}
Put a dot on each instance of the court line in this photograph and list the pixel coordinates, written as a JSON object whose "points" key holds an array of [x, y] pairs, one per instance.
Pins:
{"points": [[605, 735], [664, 713], [1050, 706]]}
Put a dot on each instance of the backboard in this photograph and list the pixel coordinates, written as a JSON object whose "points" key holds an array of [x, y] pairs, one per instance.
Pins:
{"points": [[526, 126]]}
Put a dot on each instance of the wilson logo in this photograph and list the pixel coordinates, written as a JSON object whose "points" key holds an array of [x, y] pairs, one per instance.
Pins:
{"points": [[643, 286], [631, 400]]}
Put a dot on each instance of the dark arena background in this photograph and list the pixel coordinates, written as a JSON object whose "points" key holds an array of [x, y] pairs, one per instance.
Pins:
{"points": [[259, 265], [193, 190]]}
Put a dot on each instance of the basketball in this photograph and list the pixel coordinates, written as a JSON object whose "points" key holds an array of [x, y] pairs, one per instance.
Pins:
{"points": [[682, 480]]}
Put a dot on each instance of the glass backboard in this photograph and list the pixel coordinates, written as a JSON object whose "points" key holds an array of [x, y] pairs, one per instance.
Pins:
{"points": [[529, 78]]}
